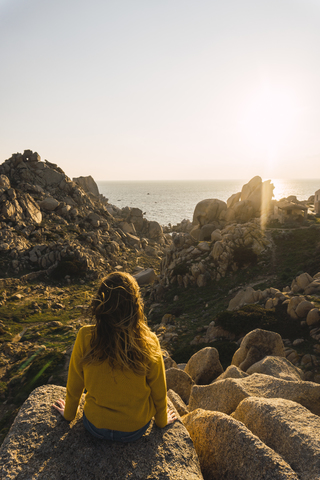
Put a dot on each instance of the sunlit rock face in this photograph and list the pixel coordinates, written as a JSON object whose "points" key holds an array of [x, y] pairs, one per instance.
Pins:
{"points": [[207, 211], [253, 200], [88, 184]]}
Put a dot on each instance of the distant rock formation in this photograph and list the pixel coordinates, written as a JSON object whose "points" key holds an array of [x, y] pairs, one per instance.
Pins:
{"points": [[223, 237], [88, 185], [194, 259], [253, 201]]}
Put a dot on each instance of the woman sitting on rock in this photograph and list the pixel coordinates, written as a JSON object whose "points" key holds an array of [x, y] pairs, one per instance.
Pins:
{"points": [[118, 362]]}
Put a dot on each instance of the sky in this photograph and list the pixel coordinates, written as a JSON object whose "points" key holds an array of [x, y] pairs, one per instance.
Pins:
{"points": [[163, 90]]}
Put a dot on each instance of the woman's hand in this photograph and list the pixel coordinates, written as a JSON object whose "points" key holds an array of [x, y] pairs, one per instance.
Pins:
{"points": [[171, 416], [60, 406]]}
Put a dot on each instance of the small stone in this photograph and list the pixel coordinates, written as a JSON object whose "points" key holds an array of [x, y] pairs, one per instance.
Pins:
{"points": [[313, 316], [17, 296], [57, 306]]}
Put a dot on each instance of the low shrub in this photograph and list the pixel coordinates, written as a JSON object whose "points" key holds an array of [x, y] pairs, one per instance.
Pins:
{"points": [[250, 317], [244, 256], [181, 269], [69, 266]]}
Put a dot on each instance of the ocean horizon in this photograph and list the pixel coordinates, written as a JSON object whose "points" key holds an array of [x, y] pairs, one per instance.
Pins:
{"points": [[171, 201]]}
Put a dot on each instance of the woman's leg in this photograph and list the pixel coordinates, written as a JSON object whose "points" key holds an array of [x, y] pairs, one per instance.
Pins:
{"points": [[114, 435]]}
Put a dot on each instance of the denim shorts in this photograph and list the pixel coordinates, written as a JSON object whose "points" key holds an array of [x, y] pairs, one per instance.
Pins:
{"points": [[115, 435]]}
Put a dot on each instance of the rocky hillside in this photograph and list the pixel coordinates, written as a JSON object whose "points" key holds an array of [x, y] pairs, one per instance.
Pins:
{"points": [[52, 226]]}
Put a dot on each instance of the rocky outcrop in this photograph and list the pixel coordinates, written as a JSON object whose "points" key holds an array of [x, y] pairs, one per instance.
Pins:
{"points": [[277, 367], [223, 237], [178, 403], [145, 276], [51, 224], [254, 425], [231, 372], [298, 306], [18, 206], [41, 444], [133, 217], [253, 201], [191, 262]]}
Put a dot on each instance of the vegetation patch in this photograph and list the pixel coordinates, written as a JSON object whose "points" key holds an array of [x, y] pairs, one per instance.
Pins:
{"points": [[42, 367], [250, 317], [244, 256], [69, 266]]}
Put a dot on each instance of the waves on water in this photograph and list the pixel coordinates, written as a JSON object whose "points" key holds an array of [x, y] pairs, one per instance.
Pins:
{"points": [[172, 201]]}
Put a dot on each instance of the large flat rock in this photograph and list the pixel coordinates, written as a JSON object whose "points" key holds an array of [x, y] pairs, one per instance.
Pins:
{"points": [[42, 445]]}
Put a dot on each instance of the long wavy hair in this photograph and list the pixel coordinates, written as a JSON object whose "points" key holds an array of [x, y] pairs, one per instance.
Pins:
{"points": [[121, 334]]}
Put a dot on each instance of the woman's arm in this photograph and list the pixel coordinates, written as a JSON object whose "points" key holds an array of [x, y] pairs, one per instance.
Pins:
{"points": [[156, 378], [157, 381], [75, 383]]}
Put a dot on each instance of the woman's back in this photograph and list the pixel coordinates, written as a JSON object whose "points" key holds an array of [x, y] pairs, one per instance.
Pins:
{"points": [[116, 399], [118, 361]]}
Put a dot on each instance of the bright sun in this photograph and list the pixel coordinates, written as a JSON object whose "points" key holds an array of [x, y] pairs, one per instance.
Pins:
{"points": [[268, 120]]}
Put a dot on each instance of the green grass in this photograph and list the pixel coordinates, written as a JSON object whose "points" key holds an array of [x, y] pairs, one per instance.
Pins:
{"points": [[43, 366]]}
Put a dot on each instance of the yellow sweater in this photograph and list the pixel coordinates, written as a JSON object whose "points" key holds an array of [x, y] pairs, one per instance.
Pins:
{"points": [[115, 399]]}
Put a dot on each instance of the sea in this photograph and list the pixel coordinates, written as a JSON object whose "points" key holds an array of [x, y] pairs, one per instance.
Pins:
{"points": [[169, 202]]}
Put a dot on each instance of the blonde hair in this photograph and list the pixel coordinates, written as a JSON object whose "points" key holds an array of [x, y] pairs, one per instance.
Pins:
{"points": [[121, 334]]}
